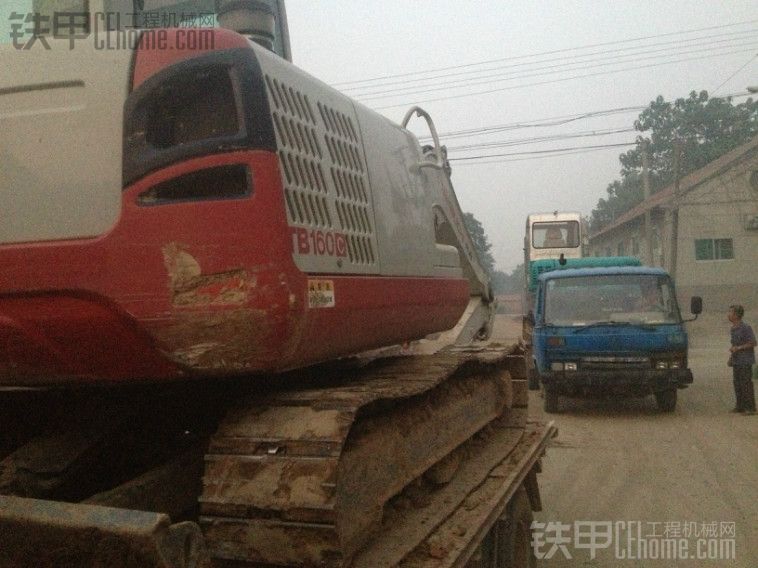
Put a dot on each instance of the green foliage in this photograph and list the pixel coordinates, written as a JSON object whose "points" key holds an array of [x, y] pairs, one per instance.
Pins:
{"points": [[499, 282], [512, 283], [481, 242], [705, 128], [502, 283]]}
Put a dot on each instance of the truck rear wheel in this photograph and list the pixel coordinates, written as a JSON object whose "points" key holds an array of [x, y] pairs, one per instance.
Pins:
{"points": [[516, 536], [534, 379], [508, 544], [666, 400], [552, 403]]}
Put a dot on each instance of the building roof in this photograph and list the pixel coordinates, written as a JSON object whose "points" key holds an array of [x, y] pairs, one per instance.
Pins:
{"points": [[687, 183], [605, 271]]}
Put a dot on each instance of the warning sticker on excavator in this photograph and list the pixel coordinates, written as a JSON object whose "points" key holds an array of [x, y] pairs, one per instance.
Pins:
{"points": [[320, 293]]}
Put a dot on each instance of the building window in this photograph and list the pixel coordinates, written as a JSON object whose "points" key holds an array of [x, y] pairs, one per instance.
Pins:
{"points": [[714, 249], [621, 249]]}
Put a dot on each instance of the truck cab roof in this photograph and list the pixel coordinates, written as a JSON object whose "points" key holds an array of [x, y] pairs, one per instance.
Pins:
{"points": [[603, 271]]}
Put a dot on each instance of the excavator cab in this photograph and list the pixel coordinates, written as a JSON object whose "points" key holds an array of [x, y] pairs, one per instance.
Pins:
{"points": [[263, 21]]}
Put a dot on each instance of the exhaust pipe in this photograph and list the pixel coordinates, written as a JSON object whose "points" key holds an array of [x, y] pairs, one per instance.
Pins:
{"points": [[255, 19]]}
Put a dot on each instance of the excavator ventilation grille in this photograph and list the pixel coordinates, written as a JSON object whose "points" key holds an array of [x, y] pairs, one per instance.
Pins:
{"points": [[349, 176], [324, 173]]}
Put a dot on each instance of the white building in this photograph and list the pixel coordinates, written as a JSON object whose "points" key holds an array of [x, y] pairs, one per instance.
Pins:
{"points": [[705, 232]]}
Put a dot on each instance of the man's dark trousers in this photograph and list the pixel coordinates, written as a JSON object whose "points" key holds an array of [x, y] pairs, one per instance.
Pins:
{"points": [[743, 387]]}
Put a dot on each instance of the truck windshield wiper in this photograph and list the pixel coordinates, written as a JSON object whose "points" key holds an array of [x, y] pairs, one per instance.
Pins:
{"points": [[614, 323]]}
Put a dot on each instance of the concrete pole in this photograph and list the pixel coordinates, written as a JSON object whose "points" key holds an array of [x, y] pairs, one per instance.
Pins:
{"points": [[646, 196], [675, 207]]}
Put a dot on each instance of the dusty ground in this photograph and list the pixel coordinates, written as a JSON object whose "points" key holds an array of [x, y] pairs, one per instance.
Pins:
{"points": [[623, 461]]}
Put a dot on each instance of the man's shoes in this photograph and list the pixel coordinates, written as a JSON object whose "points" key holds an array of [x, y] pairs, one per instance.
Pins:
{"points": [[748, 413], [736, 410]]}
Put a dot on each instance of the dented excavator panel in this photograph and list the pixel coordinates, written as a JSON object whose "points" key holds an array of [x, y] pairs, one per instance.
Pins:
{"points": [[303, 478], [214, 325], [191, 288], [226, 289], [218, 340]]}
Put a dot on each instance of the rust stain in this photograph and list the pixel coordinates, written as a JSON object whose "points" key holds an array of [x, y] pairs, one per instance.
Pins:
{"points": [[190, 287]]}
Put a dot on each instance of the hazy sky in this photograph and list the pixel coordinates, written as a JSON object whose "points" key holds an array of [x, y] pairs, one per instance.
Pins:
{"points": [[527, 42], [351, 40]]}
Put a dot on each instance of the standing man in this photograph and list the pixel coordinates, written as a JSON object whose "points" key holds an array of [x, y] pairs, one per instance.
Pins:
{"points": [[741, 360]]}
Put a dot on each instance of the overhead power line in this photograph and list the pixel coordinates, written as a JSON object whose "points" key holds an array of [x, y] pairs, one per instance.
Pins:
{"points": [[552, 120], [559, 80], [536, 123], [749, 61], [612, 54], [539, 139], [536, 154], [554, 70], [550, 69], [552, 52]]}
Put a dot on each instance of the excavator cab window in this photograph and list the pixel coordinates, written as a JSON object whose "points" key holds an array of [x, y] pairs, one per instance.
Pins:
{"points": [[192, 107]]}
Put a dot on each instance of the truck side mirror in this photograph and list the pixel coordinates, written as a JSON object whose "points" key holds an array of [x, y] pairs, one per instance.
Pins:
{"points": [[696, 305]]}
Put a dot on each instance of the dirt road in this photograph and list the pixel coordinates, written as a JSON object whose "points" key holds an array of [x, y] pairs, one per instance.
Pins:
{"points": [[648, 483]]}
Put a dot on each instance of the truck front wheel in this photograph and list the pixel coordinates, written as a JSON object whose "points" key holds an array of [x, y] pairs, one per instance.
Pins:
{"points": [[551, 400], [666, 400]]}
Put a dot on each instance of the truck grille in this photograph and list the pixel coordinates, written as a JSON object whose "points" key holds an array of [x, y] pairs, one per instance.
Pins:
{"points": [[615, 363]]}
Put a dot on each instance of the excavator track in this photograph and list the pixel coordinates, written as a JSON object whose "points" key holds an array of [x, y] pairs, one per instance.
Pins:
{"points": [[304, 478]]}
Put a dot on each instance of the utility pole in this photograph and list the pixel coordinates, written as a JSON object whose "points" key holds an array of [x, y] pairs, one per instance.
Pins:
{"points": [[646, 196], [675, 206]]}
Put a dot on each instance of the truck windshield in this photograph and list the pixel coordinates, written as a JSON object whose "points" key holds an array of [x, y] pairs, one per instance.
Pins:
{"points": [[564, 234], [635, 298]]}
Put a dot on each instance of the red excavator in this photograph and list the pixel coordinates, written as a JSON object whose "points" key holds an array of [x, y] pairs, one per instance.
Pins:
{"points": [[200, 243]]}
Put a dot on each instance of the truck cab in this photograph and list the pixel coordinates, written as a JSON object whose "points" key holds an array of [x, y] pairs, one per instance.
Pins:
{"points": [[552, 235], [610, 331], [549, 237]]}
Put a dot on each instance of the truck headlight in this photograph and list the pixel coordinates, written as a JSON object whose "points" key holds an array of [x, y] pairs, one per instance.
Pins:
{"points": [[661, 365], [570, 366], [557, 366], [675, 365]]}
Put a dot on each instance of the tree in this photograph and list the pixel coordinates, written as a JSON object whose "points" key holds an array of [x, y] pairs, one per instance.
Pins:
{"points": [[499, 282], [512, 283], [706, 128], [481, 242]]}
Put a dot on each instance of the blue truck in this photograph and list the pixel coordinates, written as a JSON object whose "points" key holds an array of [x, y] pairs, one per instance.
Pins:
{"points": [[609, 331]]}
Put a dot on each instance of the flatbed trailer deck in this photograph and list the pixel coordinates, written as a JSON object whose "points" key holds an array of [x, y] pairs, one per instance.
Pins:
{"points": [[464, 461]]}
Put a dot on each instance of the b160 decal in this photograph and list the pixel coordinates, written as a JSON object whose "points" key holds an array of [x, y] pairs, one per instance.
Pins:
{"points": [[320, 293], [318, 243]]}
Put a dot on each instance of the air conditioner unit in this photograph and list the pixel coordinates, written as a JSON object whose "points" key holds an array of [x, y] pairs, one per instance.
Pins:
{"points": [[751, 223]]}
